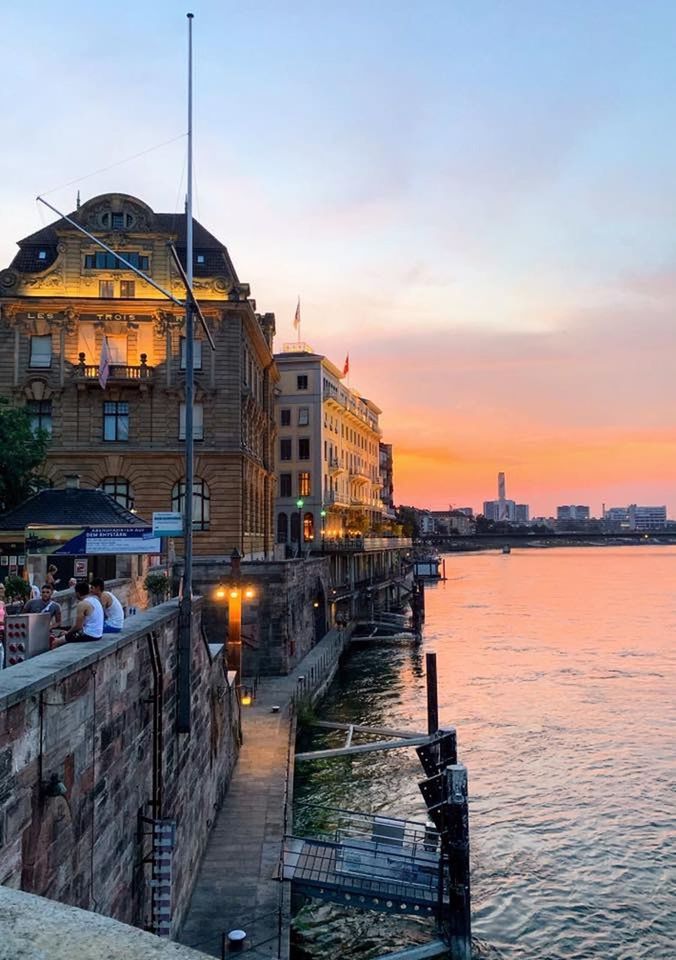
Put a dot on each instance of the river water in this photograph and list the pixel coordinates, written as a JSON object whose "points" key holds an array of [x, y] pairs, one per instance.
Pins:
{"points": [[558, 668]]}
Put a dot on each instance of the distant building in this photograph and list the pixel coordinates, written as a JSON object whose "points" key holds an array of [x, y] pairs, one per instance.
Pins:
{"points": [[504, 510], [572, 512], [634, 517], [387, 479]]}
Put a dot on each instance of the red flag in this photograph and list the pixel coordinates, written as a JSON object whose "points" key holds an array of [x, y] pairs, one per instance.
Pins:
{"points": [[346, 368], [104, 364]]}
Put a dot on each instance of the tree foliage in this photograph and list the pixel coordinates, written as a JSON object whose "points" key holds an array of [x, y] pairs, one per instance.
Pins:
{"points": [[408, 518], [22, 452]]}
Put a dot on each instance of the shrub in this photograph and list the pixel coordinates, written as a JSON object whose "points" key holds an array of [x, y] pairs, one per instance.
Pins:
{"points": [[157, 585], [16, 588]]}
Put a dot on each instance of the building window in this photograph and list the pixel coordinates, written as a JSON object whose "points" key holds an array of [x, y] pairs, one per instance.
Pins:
{"points": [[128, 289], [304, 448], [303, 416], [308, 527], [42, 254], [106, 289], [40, 412], [109, 261], [282, 528], [301, 382], [115, 421], [199, 258], [117, 221], [41, 351], [200, 502], [285, 449], [304, 484], [117, 350], [196, 354], [285, 418], [285, 485], [197, 422], [120, 490]]}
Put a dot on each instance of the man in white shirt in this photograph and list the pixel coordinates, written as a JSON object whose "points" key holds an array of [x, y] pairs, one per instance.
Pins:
{"points": [[88, 617], [112, 608]]}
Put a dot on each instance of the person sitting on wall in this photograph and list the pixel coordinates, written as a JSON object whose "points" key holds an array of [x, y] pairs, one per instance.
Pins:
{"points": [[112, 608], [45, 604], [88, 617]]}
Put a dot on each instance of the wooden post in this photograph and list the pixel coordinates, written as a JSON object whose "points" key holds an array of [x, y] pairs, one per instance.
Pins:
{"points": [[448, 747], [458, 918], [432, 694]]}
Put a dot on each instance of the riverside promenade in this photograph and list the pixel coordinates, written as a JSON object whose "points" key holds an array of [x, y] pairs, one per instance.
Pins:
{"points": [[236, 886]]}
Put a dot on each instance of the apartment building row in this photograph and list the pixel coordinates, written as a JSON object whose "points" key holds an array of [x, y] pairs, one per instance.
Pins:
{"points": [[270, 430]]}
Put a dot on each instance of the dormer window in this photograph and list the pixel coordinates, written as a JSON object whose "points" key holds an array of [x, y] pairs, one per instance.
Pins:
{"points": [[42, 254], [200, 258], [116, 221]]}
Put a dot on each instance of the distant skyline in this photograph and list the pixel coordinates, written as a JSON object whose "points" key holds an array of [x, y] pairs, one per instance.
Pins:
{"points": [[477, 202]]}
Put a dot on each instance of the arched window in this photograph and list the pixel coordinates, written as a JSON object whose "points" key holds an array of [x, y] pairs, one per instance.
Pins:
{"points": [[119, 489], [200, 502], [308, 526], [295, 527], [282, 528]]}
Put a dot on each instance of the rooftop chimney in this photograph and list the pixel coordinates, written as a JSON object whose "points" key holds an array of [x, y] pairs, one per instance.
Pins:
{"points": [[72, 481]]}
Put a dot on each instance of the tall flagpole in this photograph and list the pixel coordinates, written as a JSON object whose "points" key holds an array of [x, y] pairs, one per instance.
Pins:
{"points": [[185, 619]]}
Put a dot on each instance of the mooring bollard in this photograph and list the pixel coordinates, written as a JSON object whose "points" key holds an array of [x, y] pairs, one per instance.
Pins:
{"points": [[458, 920]]}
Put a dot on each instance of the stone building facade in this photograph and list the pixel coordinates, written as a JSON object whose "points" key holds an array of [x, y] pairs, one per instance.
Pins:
{"points": [[62, 295]]}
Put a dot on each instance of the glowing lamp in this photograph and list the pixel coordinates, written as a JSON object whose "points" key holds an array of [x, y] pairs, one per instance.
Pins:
{"points": [[249, 593], [219, 593], [234, 594], [246, 698]]}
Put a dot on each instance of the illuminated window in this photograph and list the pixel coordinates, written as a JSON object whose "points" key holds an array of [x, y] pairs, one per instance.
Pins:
{"points": [[40, 412], [120, 490], [128, 289], [308, 527], [200, 502], [304, 484], [106, 289], [41, 351]]}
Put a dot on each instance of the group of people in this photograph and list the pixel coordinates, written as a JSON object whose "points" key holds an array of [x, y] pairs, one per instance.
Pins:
{"points": [[98, 610]]}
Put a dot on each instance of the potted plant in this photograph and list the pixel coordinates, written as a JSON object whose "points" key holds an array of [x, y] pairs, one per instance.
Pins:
{"points": [[156, 584]]}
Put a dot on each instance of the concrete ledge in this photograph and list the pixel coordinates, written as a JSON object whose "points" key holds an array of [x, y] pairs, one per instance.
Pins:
{"points": [[37, 929], [38, 673]]}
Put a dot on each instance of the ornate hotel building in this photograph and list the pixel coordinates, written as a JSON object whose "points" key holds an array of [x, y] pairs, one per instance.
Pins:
{"points": [[328, 452], [62, 294]]}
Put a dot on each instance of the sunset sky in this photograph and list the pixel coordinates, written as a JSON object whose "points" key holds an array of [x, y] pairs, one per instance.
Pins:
{"points": [[477, 201]]}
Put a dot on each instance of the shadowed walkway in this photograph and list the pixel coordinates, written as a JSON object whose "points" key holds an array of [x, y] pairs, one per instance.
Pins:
{"points": [[236, 885]]}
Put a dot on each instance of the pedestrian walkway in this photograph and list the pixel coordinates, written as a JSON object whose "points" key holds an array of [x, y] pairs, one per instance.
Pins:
{"points": [[236, 886]]}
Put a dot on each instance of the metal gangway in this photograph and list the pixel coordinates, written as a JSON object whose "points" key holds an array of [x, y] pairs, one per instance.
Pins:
{"points": [[369, 861]]}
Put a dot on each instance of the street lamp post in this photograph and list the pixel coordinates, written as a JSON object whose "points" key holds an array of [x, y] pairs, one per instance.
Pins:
{"points": [[322, 514], [233, 591], [300, 503]]}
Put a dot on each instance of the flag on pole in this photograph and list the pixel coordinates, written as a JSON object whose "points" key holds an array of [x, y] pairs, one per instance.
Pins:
{"points": [[104, 363], [296, 316], [346, 368]]}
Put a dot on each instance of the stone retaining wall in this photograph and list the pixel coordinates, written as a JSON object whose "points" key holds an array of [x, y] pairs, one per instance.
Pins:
{"points": [[84, 713]]}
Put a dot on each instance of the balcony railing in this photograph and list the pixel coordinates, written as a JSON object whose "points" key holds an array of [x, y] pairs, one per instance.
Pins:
{"points": [[116, 371], [364, 544]]}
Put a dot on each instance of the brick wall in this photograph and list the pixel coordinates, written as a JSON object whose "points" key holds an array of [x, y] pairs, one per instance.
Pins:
{"points": [[89, 719]]}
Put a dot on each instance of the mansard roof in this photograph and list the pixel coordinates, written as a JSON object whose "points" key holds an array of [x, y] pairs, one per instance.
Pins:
{"points": [[216, 259]]}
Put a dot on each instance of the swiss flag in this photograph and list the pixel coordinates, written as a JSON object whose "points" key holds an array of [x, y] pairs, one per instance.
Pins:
{"points": [[346, 368]]}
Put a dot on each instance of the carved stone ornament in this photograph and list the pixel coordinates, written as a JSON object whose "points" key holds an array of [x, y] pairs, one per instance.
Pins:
{"points": [[8, 279], [165, 322], [53, 279], [222, 285], [9, 311]]}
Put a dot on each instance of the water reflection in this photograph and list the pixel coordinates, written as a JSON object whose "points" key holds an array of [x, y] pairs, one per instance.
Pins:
{"points": [[558, 669]]}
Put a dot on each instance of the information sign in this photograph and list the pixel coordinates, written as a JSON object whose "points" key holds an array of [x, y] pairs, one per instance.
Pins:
{"points": [[168, 524]]}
